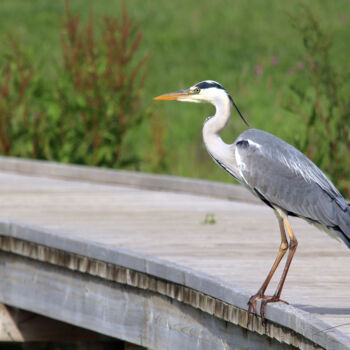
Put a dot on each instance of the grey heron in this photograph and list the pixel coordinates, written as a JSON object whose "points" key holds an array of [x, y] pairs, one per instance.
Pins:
{"points": [[274, 171]]}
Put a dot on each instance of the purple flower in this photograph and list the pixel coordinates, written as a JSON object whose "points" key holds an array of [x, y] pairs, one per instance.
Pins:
{"points": [[275, 60], [343, 18], [258, 69], [300, 66]]}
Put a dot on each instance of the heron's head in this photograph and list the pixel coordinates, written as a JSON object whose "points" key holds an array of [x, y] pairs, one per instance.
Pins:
{"points": [[205, 91], [208, 91]]}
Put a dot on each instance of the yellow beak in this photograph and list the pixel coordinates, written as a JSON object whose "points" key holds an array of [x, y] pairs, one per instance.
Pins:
{"points": [[173, 95]]}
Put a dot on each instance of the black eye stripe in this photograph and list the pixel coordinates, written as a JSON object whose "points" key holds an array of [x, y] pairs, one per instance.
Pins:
{"points": [[207, 84]]}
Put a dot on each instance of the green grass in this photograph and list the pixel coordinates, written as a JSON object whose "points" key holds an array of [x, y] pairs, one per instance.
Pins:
{"points": [[190, 41]]}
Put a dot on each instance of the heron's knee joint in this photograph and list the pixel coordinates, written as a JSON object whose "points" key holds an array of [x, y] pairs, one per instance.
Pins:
{"points": [[284, 246], [293, 244]]}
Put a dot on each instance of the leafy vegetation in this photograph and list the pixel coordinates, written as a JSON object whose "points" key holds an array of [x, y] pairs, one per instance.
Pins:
{"points": [[99, 89], [15, 76], [84, 117], [321, 99], [252, 48]]}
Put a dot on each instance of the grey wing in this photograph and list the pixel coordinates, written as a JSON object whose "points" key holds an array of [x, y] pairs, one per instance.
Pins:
{"points": [[283, 177]]}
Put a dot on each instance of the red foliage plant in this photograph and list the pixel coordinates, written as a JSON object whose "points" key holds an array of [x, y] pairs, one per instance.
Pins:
{"points": [[105, 76], [15, 76]]}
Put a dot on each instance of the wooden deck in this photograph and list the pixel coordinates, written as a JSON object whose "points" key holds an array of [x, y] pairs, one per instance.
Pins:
{"points": [[233, 241]]}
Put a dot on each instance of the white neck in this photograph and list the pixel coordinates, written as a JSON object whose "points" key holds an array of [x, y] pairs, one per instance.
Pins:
{"points": [[221, 152], [212, 128]]}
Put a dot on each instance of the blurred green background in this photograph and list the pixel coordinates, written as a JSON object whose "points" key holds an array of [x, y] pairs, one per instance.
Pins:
{"points": [[284, 63]]}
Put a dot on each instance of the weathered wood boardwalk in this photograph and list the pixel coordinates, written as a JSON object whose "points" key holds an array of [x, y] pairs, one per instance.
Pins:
{"points": [[235, 247]]}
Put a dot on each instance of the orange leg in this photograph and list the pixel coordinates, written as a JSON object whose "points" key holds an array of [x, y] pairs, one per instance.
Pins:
{"points": [[292, 248], [282, 251]]}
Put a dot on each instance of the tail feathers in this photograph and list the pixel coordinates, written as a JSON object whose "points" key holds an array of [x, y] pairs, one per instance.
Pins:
{"points": [[343, 228]]}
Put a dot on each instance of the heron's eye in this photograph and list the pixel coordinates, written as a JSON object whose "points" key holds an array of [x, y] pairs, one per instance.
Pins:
{"points": [[196, 90]]}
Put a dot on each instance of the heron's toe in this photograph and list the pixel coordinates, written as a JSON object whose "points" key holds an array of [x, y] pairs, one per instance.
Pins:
{"points": [[265, 301], [252, 305]]}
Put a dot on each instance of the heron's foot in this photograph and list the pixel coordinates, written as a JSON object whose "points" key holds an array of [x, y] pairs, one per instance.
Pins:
{"points": [[273, 299], [265, 299], [252, 305]]}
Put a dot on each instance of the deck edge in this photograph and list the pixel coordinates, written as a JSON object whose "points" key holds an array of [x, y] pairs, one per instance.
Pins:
{"points": [[129, 178], [301, 322]]}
